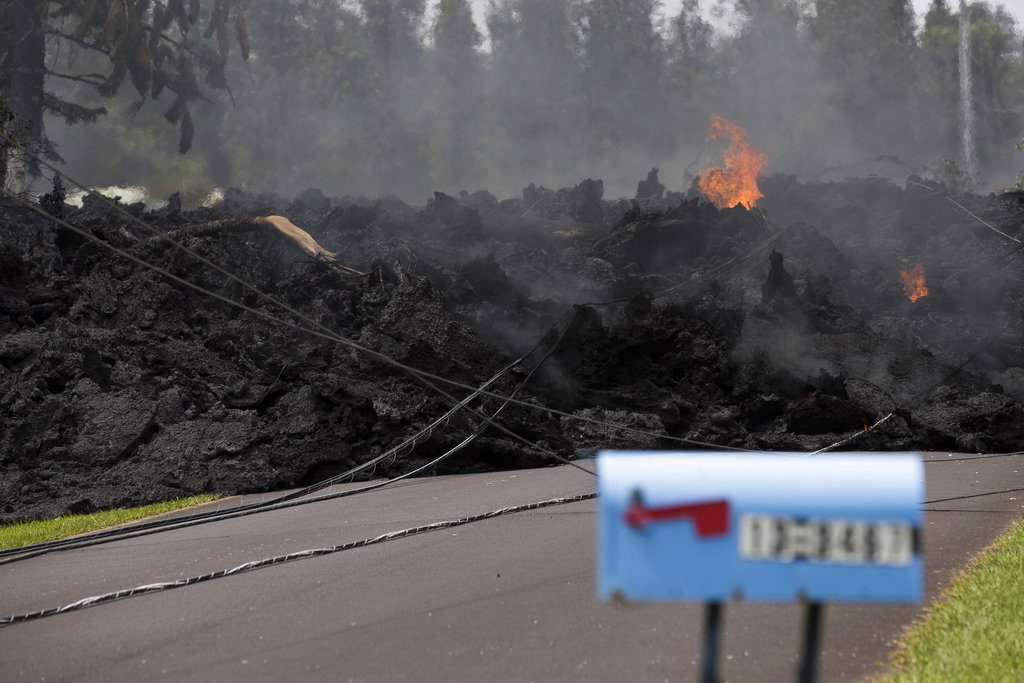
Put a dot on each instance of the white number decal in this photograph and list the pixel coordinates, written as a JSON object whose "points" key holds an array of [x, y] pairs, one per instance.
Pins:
{"points": [[836, 541]]}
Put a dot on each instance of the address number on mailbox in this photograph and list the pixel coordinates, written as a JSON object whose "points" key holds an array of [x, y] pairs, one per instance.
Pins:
{"points": [[843, 541]]}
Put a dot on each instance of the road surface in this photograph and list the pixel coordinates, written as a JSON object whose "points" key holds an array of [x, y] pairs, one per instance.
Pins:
{"points": [[509, 599]]}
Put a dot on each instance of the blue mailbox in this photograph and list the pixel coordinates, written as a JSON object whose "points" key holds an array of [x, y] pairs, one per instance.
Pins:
{"points": [[711, 527]]}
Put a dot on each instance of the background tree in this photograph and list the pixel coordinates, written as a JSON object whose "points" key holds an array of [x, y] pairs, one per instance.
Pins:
{"points": [[533, 90], [375, 97], [396, 70], [157, 46], [305, 90], [22, 72], [689, 54], [623, 75], [458, 78], [998, 101], [771, 83], [868, 48], [938, 88]]}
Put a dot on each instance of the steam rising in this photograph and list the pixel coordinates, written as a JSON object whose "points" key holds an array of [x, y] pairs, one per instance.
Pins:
{"points": [[404, 97]]}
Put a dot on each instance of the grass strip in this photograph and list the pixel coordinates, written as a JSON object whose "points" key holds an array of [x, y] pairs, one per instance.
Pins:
{"points": [[975, 632], [24, 533]]}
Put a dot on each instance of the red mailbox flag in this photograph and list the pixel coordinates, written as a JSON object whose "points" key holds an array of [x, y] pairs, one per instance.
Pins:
{"points": [[710, 518]]}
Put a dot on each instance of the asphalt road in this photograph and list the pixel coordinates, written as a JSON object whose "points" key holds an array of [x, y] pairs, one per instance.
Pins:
{"points": [[509, 599]]}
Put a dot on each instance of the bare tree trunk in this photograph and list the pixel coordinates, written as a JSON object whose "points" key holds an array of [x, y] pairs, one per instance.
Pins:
{"points": [[22, 72]]}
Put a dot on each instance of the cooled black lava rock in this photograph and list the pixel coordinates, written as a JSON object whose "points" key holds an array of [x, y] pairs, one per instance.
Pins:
{"points": [[120, 387]]}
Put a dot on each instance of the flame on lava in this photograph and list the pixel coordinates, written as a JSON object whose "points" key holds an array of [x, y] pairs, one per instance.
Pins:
{"points": [[913, 282], [736, 183]]}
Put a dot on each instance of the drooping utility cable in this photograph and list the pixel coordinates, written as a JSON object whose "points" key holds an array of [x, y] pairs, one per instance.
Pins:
{"points": [[23, 552], [426, 378], [123, 531], [31, 551], [472, 437], [329, 482], [333, 337], [159, 525], [294, 499], [706, 276], [314, 552], [420, 375], [965, 210], [150, 527], [27, 552], [969, 458], [290, 557]]}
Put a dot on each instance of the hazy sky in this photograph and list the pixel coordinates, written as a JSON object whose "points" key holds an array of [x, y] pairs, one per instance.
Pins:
{"points": [[670, 7]]}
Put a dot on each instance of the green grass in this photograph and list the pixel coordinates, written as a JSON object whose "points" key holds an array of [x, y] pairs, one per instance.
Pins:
{"points": [[975, 632], [24, 533]]}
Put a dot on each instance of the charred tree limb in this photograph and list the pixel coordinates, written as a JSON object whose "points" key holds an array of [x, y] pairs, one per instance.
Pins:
{"points": [[243, 224], [88, 79]]}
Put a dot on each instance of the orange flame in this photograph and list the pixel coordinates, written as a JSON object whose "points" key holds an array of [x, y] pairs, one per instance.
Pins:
{"points": [[913, 282], [737, 182]]}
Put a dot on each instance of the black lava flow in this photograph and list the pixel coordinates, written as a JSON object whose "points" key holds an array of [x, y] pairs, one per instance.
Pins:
{"points": [[118, 388]]}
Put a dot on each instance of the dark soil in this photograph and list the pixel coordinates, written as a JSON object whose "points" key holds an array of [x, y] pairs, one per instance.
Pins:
{"points": [[119, 387]]}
